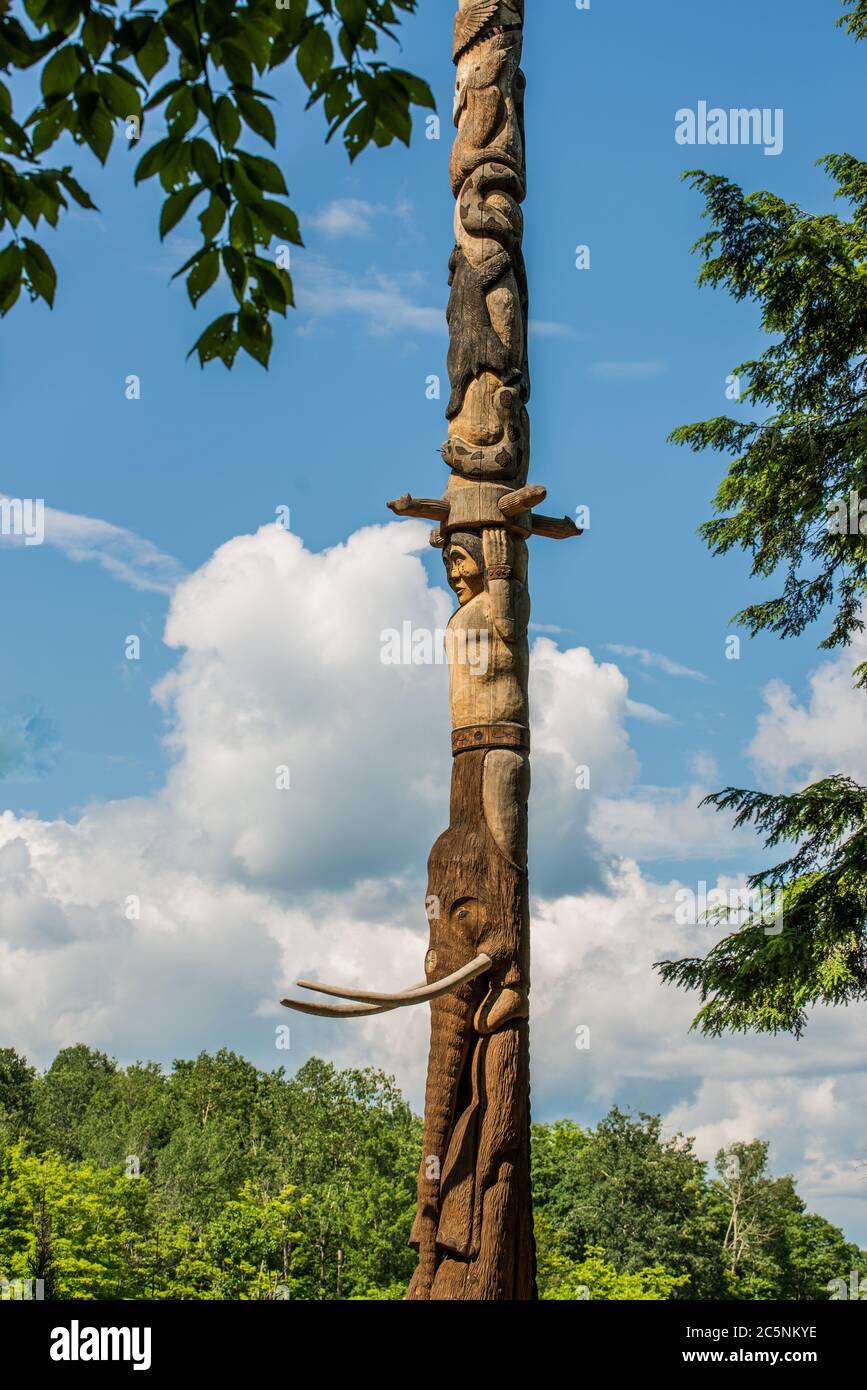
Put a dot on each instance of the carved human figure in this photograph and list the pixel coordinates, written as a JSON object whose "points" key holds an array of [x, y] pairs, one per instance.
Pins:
{"points": [[488, 574]]}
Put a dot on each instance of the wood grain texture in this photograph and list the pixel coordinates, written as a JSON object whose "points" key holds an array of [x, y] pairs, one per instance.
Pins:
{"points": [[473, 1228]]}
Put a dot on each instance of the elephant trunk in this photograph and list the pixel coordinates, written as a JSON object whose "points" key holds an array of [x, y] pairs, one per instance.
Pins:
{"points": [[452, 1034]]}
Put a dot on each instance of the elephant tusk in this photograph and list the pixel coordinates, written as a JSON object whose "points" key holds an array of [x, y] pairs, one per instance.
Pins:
{"points": [[420, 994], [336, 1010], [340, 1010]]}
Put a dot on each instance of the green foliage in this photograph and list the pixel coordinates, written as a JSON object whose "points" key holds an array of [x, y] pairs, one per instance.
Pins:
{"points": [[622, 1213], [791, 499], [255, 1186], [255, 1182], [73, 1226], [855, 20], [256, 1247], [632, 1194], [593, 1278], [807, 274], [196, 65], [17, 1094], [773, 1248], [759, 979]]}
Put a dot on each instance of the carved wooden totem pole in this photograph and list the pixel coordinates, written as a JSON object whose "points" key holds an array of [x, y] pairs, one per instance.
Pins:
{"points": [[473, 1228]]}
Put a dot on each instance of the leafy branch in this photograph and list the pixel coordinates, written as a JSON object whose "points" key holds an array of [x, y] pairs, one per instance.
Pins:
{"points": [[97, 67]]}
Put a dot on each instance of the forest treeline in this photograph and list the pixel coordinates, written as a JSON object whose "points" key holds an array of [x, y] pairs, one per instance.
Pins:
{"points": [[220, 1181]]}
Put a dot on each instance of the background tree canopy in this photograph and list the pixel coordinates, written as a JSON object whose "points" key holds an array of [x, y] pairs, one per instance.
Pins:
{"points": [[792, 499], [255, 1185], [194, 68]]}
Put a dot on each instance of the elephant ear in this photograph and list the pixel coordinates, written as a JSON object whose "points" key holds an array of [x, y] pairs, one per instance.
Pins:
{"points": [[471, 22]]}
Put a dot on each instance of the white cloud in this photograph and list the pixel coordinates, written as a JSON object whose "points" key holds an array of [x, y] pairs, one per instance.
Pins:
{"points": [[242, 888], [657, 661], [668, 823], [387, 303], [704, 765], [797, 742], [126, 556], [384, 302], [356, 217], [637, 710]]}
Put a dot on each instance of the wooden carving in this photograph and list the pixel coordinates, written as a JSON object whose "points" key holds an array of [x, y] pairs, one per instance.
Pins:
{"points": [[473, 1227]]}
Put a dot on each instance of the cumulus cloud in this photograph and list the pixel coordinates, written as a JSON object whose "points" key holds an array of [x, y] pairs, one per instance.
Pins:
{"points": [[668, 823], [174, 922], [799, 741]]}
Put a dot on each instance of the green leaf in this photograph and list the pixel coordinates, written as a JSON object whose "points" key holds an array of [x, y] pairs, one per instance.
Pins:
{"points": [[354, 16], [218, 340], [51, 125], [175, 207], [120, 95], [254, 331], [159, 96], [241, 232], [280, 220], [180, 25], [236, 269], [226, 123], [205, 161], [153, 55], [263, 172], [98, 134], [60, 73], [153, 159], [315, 54], [257, 116], [416, 89], [275, 284], [75, 190], [181, 113], [212, 219], [96, 33], [203, 275], [11, 263], [40, 271]]}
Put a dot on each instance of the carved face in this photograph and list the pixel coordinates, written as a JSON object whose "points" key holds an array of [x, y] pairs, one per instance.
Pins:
{"points": [[465, 577]]}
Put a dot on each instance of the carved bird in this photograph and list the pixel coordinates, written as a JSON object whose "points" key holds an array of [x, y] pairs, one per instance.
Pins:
{"points": [[471, 22]]}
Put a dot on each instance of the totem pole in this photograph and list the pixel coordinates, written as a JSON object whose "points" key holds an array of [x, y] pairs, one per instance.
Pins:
{"points": [[473, 1228]]}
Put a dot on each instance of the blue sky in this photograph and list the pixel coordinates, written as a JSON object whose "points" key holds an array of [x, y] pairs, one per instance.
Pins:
{"points": [[206, 455], [620, 355]]}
